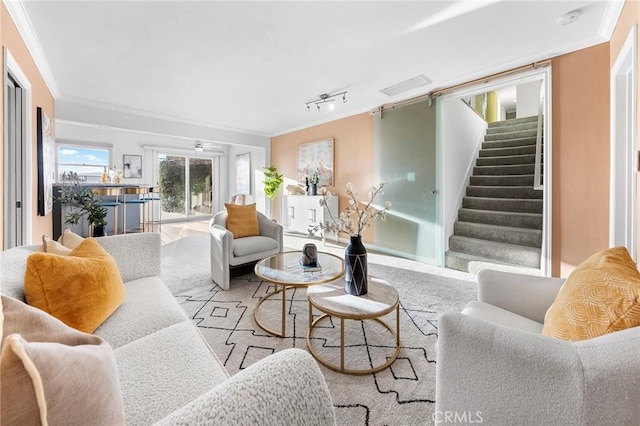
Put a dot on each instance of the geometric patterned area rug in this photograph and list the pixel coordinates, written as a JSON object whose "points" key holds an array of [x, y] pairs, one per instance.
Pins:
{"points": [[401, 394]]}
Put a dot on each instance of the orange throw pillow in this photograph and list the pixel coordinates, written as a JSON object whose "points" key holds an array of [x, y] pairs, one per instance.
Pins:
{"points": [[602, 295], [242, 221], [82, 289]]}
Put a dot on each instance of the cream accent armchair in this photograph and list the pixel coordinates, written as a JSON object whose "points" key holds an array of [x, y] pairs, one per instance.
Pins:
{"points": [[493, 362], [227, 252]]}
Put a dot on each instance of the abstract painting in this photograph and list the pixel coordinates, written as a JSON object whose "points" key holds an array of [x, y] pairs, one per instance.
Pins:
{"points": [[316, 156], [46, 163], [132, 166], [243, 173]]}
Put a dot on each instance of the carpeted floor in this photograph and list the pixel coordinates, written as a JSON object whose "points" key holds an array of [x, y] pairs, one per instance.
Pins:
{"points": [[402, 394]]}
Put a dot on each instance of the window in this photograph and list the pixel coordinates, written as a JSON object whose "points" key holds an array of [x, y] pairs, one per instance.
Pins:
{"points": [[88, 163]]}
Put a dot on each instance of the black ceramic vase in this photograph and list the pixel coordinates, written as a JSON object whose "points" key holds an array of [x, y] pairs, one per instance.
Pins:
{"points": [[314, 189], [99, 231], [355, 263]]}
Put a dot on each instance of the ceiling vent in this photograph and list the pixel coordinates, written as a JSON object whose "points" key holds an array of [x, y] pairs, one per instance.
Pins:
{"points": [[407, 85]]}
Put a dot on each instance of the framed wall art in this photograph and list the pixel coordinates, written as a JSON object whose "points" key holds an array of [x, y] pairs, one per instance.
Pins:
{"points": [[243, 173], [316, 156], [132, 166], [46, 163]]}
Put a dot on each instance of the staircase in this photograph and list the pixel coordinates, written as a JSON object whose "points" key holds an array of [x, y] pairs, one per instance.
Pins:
{"points": [[500, 222]]}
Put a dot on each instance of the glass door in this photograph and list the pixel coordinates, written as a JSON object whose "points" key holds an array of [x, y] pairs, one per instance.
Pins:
{"points": [[405, 156], [200, 187], [186, 185]]}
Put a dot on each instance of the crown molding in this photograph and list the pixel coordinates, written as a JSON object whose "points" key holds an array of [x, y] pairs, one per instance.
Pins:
{"points": [[612, 12], [141, 113], [72, 123], [23, 23]]}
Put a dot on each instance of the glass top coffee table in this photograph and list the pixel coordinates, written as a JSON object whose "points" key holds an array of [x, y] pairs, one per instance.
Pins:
{"points": [[284, 271]]}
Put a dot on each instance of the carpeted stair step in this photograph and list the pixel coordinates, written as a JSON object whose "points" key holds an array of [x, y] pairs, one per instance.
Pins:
{"points": [[508, 143], [502, 234], [532, 125], [511, 135], [474, 264], [511, 150], [493, 217], [504, 192], [514, 121], [502, 180], [506, 160], [503, 204], [515, 169], [502, 252]]}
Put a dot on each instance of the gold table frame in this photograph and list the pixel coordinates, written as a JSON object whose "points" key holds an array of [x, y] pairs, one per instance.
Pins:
{"points": [[284, 284], [327, 312]]}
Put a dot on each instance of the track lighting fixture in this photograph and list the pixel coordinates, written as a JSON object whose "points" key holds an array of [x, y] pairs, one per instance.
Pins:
{"points": [[326, 98]]}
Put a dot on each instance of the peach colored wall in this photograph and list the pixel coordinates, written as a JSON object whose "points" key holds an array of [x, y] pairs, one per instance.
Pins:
{"points": [[40, 97], [580, 96], [580, 200], [353, 155], [629, 17]]}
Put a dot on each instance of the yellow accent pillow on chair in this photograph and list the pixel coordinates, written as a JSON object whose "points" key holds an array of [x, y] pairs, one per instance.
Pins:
{"points": [[602, 295], [242, 221], [82, 289]]}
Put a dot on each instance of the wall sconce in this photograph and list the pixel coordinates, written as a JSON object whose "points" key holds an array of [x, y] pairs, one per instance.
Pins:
{"points": [[326, 98]]}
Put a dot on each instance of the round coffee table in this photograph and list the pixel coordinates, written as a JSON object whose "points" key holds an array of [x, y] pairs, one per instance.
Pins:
{"points": [[331, 299], [284, 271]]}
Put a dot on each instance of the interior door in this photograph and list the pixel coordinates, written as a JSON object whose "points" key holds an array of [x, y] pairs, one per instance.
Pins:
{"points": [[14, 226]]}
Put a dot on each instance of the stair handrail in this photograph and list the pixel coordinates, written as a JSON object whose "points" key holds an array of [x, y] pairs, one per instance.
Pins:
{"points": [[537, 176]]}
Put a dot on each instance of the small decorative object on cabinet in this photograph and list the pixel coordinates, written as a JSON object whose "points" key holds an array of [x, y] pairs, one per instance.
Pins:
{"points": [[314, 180]]}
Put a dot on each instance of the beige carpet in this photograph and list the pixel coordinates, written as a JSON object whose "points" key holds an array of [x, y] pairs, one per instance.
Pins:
{"points": [[402, 394]]}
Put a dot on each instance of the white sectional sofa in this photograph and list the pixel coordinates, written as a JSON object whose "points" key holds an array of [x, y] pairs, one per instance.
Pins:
{"points": [[168, 373]]}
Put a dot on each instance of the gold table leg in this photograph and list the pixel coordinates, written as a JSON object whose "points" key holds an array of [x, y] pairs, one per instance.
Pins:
{"points": [[283, 313], [340, 368], [284, 308], [342, 344]]}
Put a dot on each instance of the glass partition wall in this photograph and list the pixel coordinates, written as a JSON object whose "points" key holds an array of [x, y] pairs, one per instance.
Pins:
{"points": [[186, 185], [405, 155]]}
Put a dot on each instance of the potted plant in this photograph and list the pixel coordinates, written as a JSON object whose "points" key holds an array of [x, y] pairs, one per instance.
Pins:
{"points": [[83, 202], [272, 182], [314, 180]]}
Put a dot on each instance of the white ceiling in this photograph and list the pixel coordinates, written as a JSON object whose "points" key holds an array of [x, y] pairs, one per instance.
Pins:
{"points": [[251, 66]]}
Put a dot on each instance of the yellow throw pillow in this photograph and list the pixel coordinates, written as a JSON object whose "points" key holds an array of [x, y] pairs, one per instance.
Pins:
{"points": [[82, 289], [70, 239], [242, 221], [602, 295]]}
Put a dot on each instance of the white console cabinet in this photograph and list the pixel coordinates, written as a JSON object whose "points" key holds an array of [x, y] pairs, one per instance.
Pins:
{"points": [[302, 212]]}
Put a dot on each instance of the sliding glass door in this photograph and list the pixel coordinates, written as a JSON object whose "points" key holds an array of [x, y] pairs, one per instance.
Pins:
{"points": [[186, 185], [200, 187], [405, 155]]}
